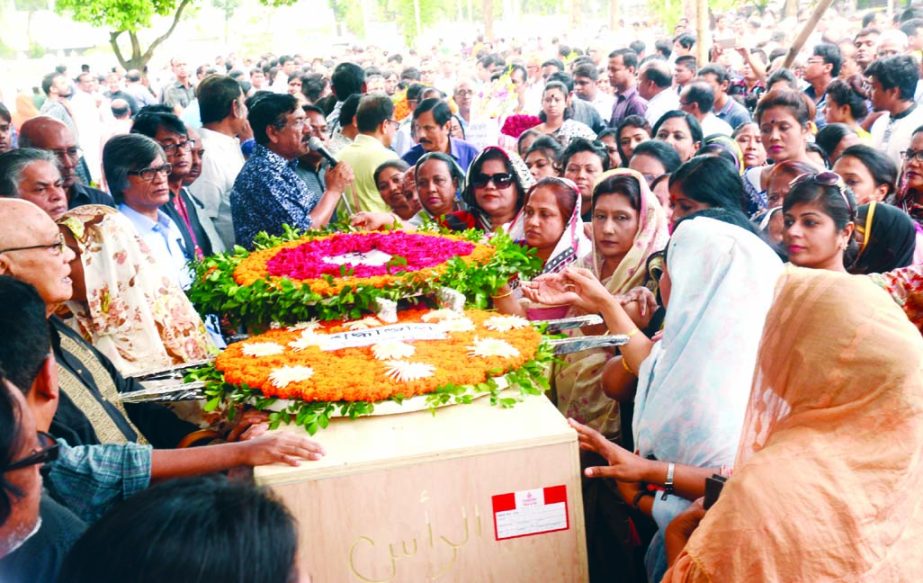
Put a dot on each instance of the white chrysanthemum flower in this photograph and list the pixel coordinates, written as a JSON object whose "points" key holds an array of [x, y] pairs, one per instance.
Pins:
{"points": [[262, 349], [310, 325], [404, 371], [458, 325], [282, 377], [308, 338], [392, 349], [364, 323], [505, 323], [485, 347], [440, 315]]}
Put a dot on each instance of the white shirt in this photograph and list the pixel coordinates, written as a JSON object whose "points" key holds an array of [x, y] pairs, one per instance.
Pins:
{"points": [[712, 124], [893, 136], [666, 100], [222, 163], [603, 104], [165, 241]]}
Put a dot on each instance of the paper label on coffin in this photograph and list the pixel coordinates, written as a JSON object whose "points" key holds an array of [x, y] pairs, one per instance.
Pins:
{"points": [[370, 336], [530, 512]]}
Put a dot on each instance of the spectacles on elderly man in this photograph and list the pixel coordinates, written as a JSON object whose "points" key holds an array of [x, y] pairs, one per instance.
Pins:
{"points": [[57, 247], [147, 174]]}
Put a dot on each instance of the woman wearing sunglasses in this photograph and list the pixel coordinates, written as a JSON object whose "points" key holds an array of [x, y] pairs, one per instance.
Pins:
{"points": [[495, 190], [549, 223], [819, 216]]}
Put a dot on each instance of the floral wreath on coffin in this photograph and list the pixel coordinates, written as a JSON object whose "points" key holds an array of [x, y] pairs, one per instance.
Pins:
{"points": [[308, 373], [325, 275]]}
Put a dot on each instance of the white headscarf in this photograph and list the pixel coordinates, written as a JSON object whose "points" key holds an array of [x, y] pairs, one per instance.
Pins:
{"points": [[694, 386]]}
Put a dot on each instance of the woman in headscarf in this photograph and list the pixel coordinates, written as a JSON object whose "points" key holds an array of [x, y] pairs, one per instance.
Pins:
{"points": [[629, 225], [887, 239], [717, 286], [440, 181], [125, 304], [549, 223], [828, 474], [495, 189]]}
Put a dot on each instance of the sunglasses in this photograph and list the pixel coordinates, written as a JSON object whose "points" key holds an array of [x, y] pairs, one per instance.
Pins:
{"points": [[500, 180], [48, 452], [824, 179]]}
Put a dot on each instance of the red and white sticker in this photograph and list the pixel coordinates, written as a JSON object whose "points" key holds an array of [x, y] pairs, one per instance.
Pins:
{"points": [[530, 512]]}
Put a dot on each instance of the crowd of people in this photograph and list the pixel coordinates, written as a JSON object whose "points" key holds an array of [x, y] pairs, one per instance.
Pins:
{"points": [[752, 224]]}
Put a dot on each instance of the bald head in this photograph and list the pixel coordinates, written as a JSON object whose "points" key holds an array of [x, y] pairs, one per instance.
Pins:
{"points": [[46, 133], [29, 253]]}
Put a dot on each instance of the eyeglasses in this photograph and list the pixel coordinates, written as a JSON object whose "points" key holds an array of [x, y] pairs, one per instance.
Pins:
{"points": [[500, 180], [74, 153], [824, 179], [147, 174], [909, 155], [57, 247], [394, 123], [48, 452], [172, 149]]}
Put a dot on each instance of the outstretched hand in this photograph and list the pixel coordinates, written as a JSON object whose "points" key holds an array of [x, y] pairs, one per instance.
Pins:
{"points": [[281, 447], [623, 465], [574, 286]]}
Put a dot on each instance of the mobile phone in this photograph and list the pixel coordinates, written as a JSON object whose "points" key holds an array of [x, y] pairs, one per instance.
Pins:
{"points": [[726, 43], [713, 487]]}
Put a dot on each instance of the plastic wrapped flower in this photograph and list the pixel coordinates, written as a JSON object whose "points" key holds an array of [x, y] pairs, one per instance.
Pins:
{"points": [[518, 123]]}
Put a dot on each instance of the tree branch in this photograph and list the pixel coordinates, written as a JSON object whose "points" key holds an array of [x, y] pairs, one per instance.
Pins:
{"points": [[157, 42], [114, 43]]}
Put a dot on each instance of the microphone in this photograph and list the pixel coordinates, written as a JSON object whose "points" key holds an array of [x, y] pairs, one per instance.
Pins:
{"points": [[318, 146]]}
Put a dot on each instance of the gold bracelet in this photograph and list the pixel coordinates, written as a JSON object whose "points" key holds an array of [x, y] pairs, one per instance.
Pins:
{"points": [[626, 367], [501, 296]]}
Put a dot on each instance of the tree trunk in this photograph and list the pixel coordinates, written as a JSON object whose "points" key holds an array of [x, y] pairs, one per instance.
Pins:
{"points": [[416, 19], [791, 9], [488, 8], [614, 15], [702, 40], [576, 10]]}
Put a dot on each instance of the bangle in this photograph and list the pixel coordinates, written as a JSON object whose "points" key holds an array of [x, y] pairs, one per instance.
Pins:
{"points": [[668, 484], [501, 296], [641, 494], [632, 332], [626, 367]]}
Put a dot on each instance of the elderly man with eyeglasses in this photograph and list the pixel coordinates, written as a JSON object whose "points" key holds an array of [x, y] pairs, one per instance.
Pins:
{"points": [[45, 133], [137, 171], [187, 211]]}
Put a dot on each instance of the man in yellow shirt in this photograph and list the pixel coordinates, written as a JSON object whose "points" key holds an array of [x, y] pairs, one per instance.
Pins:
{"points": [[377, 126]]}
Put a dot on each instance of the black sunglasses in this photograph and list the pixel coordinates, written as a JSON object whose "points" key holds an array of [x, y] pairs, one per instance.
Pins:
{"points": [[501, 179], [48, 452]]}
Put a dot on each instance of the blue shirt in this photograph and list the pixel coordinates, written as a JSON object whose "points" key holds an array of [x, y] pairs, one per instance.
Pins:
{"points": [[165, 241], [90, 479], [267, 194], [463, 152]]}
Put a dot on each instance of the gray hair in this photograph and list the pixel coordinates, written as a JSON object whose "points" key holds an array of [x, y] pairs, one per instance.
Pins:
{"points": [[14, 162], [124, 154]]}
